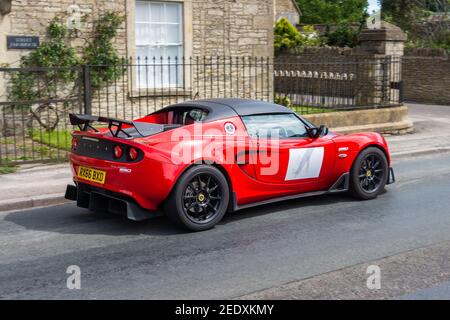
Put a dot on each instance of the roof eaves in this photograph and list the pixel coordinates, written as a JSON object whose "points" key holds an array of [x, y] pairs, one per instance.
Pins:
{"points": [[297, 7]]}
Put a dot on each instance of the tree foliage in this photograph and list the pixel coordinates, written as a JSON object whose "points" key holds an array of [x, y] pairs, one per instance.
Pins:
{"points": [[425, 21], [403, 12], [343, 36], [333, 11]]}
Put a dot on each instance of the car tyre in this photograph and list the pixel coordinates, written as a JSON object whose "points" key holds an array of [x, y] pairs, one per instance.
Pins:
{"points": [[199, 199], [369, 174]]}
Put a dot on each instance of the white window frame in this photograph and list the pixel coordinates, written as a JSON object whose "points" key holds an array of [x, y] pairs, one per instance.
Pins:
{"points": [[164, 23], [166, 72], [187, 48]]}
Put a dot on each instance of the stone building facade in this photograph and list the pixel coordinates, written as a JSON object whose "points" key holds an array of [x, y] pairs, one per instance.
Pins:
{"points": [[208, 27], [202, 29], [288, 9]]}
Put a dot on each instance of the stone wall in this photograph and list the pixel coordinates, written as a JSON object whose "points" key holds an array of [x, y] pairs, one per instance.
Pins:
{"points": [[426, 78], [232, 28], [366, 76], [337, 77], [386, 121]]}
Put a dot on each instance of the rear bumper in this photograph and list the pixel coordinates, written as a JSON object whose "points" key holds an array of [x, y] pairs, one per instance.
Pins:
{"points": [[97, 199], [147, 182], [391, 176]]}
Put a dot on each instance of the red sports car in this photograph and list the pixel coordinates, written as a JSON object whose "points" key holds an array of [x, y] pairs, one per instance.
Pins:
{"points": [[197, 160]]}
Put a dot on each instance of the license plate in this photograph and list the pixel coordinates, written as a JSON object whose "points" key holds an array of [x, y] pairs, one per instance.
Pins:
{"points": [[93, 175]]}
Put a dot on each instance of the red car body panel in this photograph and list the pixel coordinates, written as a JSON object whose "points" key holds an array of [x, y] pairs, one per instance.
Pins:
{"points": [[149, 190], [150, 180]]}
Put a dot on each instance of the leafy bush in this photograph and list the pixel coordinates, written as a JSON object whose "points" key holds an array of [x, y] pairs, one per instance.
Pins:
{"points": [[284, 101], [287, 37], [55, 52], [101, 52], [61, 58], [442, 41]]}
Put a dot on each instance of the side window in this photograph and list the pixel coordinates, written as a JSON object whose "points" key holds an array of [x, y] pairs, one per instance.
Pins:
{"points": [[182, 116], [281, 126], [187, 117]]}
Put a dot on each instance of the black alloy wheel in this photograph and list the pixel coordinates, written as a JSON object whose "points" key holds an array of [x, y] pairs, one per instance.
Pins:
{"points": [[369, 174], [200, 198]]}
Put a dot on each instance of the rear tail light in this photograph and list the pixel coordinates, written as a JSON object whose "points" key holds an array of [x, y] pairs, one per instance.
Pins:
{"points": [[133, 154], [117, 152], [74, 143]]}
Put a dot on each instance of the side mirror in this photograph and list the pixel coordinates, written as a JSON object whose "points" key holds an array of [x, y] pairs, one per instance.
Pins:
{"points": [[323, 130], [315, 133]]}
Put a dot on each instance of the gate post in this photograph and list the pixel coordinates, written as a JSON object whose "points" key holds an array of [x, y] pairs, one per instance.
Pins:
{"points": [[87, 89], [388, 41]]}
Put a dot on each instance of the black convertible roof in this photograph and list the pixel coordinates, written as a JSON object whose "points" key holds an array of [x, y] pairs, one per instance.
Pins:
{"points": [[226, 108]]}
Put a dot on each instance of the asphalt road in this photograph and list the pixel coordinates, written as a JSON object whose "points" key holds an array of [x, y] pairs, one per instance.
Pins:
{"points": [[249, 251]]}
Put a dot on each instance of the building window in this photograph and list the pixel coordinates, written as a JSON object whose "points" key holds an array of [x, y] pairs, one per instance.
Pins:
{"points": [[159, 34]]}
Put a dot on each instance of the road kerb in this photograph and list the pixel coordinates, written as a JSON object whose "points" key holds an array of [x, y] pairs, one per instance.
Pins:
{"points": [[31, 202], [419, 152]]}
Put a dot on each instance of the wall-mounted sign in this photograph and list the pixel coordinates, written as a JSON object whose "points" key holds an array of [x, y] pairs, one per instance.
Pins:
{"points": [[22, 42]]}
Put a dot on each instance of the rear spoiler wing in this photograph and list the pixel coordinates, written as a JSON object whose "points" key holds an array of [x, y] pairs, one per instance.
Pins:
{"points": [[115, 126]]}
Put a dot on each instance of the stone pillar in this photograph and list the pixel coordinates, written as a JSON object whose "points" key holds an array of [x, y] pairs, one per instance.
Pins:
{"points": [[388, 40], [386, 45]]}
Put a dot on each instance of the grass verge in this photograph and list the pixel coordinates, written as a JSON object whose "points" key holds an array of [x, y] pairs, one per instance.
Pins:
{"points": [[303, 110], [7, 167], [60, 139]]}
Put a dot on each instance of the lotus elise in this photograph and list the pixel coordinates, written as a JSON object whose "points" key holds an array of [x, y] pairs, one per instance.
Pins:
{"points": [[195, 161]]}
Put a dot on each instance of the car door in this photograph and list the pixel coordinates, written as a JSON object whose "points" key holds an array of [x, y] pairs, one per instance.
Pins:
{"points": [[286, 155]]}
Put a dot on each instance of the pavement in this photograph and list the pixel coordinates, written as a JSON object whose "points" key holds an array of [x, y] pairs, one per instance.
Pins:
{"points": [[40, 185], [315, 248], [34, 186], [431, 132]]}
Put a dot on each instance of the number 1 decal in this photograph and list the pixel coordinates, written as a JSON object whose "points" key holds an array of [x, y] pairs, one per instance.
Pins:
{"points": [[305, 163]]}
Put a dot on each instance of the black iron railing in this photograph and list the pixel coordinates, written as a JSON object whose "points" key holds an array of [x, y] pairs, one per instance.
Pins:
{"points": [[35, 102]]}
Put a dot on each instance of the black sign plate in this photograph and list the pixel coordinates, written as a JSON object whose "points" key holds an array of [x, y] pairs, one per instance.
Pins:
{"points": [[22, 42]]}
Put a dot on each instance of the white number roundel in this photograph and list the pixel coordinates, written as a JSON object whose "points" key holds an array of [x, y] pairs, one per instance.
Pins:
{"points": [[230, 128]]}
